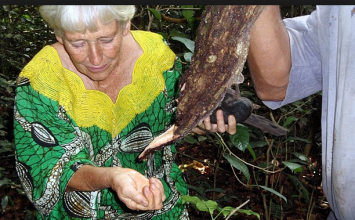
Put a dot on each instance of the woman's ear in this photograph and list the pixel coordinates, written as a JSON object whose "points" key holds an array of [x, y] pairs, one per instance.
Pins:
{"points": [[59, 39], [127, 28]]}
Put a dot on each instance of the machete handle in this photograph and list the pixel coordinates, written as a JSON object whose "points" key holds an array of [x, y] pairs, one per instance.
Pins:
{"points": [[241, 108]]}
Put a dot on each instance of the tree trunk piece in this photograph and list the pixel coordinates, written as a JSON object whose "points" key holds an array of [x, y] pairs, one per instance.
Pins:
{"points": [[221, 49]]}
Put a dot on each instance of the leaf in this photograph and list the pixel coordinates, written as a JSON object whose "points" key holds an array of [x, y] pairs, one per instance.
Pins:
{"points": [[249, 212], [177, 33], [202, 205], [207, 206], [219, 190], [27, 17], [251, 151], [201, 138], [191, 140], [165, 35], [238, 164], [255, 144], [199, 190], [156, 13], [241, 138], [301, 156], [5, 181], [296, 160], [293, 166], [289, 120], [20, 191], [293, 139], [4, 202], [273, 191], [300, 187], [188, 56], [228, 209], [187, 13], [190, 44], [190, 199]]}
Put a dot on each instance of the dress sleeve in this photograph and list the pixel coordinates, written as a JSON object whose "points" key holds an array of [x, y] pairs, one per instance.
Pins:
{"points": [[305, 75], [48, 147]]}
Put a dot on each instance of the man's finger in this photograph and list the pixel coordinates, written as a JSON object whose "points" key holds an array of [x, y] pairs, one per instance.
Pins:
{"points": [[221, 126]]}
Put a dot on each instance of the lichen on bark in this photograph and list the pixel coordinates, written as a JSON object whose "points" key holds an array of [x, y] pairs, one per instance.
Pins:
{"points": [[221, 48]]}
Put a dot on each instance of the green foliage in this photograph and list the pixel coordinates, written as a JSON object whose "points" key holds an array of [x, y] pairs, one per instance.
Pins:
{"points": [[273, 191], [300, 188], [240, 139], [190, 45], [213, 208], [239, 164], [255, 156], [23, 34]]}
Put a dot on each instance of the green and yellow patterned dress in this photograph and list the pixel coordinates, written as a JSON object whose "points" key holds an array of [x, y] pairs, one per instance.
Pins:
{"points": [[59, 126]]}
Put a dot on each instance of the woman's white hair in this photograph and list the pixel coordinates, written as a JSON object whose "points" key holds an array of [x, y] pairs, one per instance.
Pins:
{"points": [[79, 18]]}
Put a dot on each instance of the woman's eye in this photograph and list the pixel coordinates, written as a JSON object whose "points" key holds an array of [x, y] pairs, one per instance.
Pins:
{"points": [[105, 41], [78, 45]]}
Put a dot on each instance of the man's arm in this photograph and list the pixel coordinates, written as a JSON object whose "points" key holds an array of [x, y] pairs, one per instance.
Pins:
{"points": [[269, 57]]}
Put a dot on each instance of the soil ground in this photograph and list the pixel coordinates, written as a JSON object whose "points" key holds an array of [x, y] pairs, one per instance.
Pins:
{"points": [[236, 193], [232, 192]]}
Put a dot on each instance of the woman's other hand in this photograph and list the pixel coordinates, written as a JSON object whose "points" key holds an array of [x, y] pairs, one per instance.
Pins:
{"points": [[137, 191]]}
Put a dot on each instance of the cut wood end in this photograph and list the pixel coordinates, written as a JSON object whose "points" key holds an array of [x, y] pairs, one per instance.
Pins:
{"points": [[159, 142]]}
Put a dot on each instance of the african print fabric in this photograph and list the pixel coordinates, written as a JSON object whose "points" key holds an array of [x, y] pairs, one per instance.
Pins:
{"points": [[60, 126]]}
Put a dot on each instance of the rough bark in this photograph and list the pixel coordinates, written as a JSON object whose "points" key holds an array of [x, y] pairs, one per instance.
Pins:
{"points": [[221, 48]]}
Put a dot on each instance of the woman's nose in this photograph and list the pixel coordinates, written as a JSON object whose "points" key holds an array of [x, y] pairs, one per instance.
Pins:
{"points": [[95, 54]]}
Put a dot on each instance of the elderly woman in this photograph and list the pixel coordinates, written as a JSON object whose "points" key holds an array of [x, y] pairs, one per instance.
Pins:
{"points": [[87, 106]]}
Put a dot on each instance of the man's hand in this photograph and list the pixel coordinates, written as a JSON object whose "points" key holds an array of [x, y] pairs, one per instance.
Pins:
{"points": [[220, 126], [168, 136]]}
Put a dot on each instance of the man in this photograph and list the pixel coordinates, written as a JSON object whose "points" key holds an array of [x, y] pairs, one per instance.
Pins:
{"points": [[293, 58]]}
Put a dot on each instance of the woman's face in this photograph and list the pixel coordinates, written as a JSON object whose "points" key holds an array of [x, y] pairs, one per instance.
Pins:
{"points": [[95, 54]]}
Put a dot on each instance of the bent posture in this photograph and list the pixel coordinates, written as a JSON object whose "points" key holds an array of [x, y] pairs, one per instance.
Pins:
{"points": [[87, 106]]}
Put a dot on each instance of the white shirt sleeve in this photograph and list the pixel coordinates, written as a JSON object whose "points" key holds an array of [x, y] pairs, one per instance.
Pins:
{"points": [[305, 75]]}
